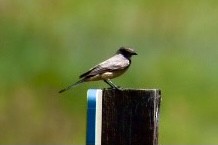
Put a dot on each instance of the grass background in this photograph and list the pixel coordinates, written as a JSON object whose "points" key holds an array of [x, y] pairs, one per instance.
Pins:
{"points": [[45, 45]]}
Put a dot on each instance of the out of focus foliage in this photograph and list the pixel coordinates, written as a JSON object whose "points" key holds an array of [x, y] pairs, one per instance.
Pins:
{"points": [[46, 44]]}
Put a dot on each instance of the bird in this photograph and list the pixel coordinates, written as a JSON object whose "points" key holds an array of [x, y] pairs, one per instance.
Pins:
{"points": [[108, 69]]}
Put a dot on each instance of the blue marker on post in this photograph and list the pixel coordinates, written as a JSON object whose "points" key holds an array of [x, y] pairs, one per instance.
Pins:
{"points": [[94, 117]]}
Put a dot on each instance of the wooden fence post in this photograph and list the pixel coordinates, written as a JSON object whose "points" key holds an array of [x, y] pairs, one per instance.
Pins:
{"points": [[123, 117]]}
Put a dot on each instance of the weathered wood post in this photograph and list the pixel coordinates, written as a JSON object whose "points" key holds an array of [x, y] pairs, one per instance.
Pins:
{"points": [[123, 117]]}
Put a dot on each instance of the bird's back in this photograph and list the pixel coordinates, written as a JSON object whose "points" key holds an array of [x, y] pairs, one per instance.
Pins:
{"points": [[117, 62]]}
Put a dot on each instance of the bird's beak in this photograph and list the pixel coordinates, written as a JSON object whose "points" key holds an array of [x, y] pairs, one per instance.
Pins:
{"points": [[134, 53]]}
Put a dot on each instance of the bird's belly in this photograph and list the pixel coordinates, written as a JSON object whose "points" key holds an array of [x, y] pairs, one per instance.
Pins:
{"points": [[106, 75], [111, 75]]}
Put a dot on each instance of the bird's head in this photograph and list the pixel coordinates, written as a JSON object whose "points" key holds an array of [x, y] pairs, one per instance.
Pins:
{"points": [[126, 52]]}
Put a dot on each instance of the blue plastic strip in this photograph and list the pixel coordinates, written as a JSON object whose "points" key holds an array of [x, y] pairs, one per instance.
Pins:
{"points": [[91, 115]]}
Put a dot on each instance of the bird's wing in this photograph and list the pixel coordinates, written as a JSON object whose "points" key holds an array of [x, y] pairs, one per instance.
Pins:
{"points": [[117, 62]]}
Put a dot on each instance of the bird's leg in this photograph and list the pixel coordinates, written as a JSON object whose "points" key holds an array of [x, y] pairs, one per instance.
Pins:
{"points": [[109, 82], [111, 85]]}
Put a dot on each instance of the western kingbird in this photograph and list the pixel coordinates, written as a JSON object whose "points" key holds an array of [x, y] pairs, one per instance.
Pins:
{"points": [[109, 69]]}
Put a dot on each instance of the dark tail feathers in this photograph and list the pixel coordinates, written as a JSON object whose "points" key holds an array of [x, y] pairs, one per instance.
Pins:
{"points": [[71, 86]]}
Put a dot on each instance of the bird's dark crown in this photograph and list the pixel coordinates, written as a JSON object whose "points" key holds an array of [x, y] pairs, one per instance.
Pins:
{"points": [[127, 52]]}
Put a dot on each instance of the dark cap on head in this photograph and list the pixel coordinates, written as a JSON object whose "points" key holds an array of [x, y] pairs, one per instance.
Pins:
{"points": [[127, 52]]}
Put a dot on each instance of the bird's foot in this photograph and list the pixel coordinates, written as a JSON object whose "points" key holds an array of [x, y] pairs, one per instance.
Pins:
{"points": [[117, 88]]}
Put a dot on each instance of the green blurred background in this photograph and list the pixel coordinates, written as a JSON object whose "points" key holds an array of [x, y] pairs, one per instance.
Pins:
{"points": [[46, 44]]}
